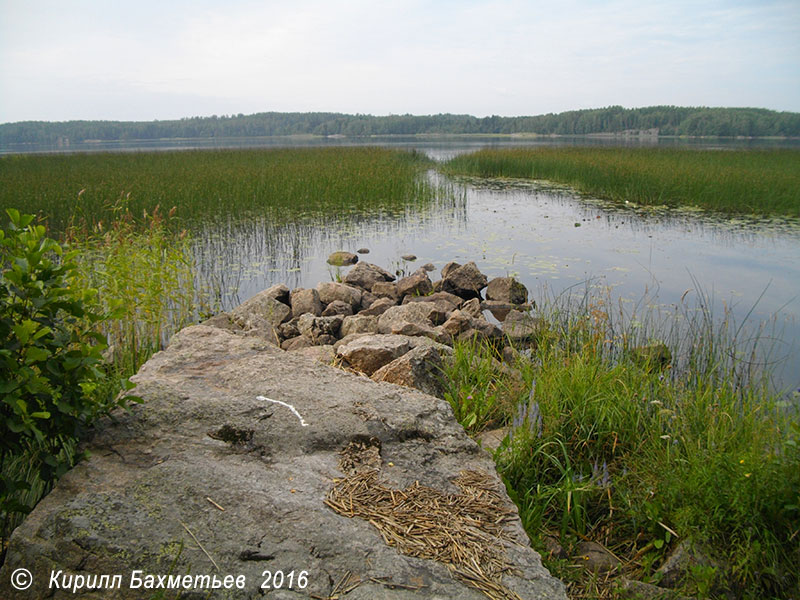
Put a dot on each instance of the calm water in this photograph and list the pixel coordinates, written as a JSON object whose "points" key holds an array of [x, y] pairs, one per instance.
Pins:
{"points": [[554, 241]]}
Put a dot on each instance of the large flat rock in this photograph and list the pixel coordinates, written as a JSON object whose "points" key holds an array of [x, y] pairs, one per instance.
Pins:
{"points": [[226, 467]]}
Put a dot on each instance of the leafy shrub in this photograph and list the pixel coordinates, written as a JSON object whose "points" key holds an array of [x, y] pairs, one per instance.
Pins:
{"points": [[52, 380]]}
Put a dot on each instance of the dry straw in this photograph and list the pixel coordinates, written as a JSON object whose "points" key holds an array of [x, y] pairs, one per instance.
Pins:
{"points": [[463, 531]]}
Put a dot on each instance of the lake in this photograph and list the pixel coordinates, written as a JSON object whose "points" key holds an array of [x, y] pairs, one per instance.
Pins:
{"points": [[554, 240]]}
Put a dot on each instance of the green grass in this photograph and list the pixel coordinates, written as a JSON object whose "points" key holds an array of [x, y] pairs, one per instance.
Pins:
{"points": [[609, 447], [206, 184], [736, 181]]}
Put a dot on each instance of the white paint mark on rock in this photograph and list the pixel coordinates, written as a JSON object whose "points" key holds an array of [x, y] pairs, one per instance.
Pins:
{"points": [[289, 406]]}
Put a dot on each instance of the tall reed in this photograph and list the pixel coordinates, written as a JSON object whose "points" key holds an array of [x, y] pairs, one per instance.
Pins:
{"points": [[739, 181]]}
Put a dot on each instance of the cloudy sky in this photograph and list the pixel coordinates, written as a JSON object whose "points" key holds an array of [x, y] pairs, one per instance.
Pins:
{"points": [[143, 60]]}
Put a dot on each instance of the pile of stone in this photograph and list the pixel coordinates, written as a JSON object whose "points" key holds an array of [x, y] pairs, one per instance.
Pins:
{"points": [[395, 330]]}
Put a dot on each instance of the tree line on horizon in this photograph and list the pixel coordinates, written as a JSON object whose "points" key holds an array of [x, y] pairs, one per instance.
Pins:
{"points": [[669, 120]]}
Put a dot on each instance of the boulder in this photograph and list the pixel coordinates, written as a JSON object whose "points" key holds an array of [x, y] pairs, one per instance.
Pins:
{"points": [[315, 327], [449, 268], [223, 321], [416, 284], [457, 323], [332, 291], [359, 324], [365, 275], [369, 353], [472, 307], [465, 281], [380, 306], [296, 343], [595, 557], [396, 317], [278, 291], [305, 301], [500, 309], [386, 289], [506, 289], [261, 316], [324, 354], [428, 267], [363, 250], [237, 462], [341, 258], [337, 307], [521, 328], [638, 590], [420, 368], [367, 300]]}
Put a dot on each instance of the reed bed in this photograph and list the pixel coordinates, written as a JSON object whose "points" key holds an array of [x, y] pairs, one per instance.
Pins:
{"points": [[208, 184], [737, 181]]}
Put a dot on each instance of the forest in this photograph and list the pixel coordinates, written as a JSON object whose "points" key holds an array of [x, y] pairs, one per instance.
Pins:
{"points": [[668, 120]]}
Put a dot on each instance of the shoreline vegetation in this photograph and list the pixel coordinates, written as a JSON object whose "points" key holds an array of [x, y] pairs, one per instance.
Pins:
{"points": [[653, 121], [638, 456], [763, 182]]}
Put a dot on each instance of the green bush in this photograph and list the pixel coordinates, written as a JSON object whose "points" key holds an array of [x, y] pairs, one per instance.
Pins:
{"points": [[52, 380]]}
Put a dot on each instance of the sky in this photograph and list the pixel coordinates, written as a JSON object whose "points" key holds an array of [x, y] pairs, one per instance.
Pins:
{"points": [[143, 60]]}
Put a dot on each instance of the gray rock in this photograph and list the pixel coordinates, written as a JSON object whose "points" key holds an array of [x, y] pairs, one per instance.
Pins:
{"points": [[472, 307], [396, 317], [386, 289], [289, 329], [324, 354], [491, 439], [465, 281], [296, 343], [676, 567], [522, 328], [314, 328], [416, 284], [332, 291], [457, 323], [595, 557], [367, 300], [445, 303], [260, 316], [337, 307], [419, 368], [223, 321], [369, 353], [638, 590], [506, 289], [278, 291], [341, 258], [380, 306], [365, 275], [305, 301], [359, 324], [208, 437], [449, 267], [500, 309]]}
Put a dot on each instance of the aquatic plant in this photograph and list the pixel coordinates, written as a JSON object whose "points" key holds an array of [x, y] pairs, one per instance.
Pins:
{"points": [[740, 181], [641, 454]]}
